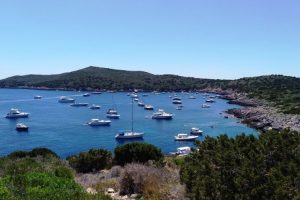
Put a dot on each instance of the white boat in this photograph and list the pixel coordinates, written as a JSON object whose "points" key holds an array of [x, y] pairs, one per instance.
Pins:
{"points": [[161, 114], [79, 104], [86, 95], [136, 99], [196, 131], [185, 137], [205, 106], [192, 97], [134, 95], [65, 99], [98, 122], [95, 107], [37, 97], [21, 127], [210, 101], [179, 108], [183, 151], [112, 114], [15, 113], [148, 107], [177, 102], [141, 104], [112, 111], [176, 99], [130, 134]]}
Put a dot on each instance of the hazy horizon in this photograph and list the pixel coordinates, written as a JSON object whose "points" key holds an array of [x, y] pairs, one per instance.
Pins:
{"points": [[226, 39]]}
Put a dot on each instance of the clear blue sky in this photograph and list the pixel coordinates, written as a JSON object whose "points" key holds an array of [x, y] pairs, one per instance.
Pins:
{"points": [[201, 38]]}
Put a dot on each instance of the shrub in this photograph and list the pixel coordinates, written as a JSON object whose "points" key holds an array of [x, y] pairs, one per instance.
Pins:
{"points": [[137, 152], [63, 172], [18, 154], [42, 152], [91, 161]]}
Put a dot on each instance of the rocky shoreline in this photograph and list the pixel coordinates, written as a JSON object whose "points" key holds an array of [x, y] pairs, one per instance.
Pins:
{"points": [[259, 114]]}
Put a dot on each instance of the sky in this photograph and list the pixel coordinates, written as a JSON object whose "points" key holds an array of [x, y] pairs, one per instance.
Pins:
{"points": [[224, 39]]}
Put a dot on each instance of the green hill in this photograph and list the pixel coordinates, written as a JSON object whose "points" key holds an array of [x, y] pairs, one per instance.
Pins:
{"points": [[283, 91]]}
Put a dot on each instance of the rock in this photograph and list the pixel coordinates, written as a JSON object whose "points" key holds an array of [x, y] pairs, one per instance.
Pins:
{"points": [[91, 191], [110, 190]]}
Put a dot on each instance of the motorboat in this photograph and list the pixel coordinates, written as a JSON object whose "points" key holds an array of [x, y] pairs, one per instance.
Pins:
{"points": [[21, 127], [177, 102], [95, 107], [65, 99], [79, 104], [37, 97], [192, 97], [185, 137], [129, 135], [86, 95], [148, 107], [134, 95], [136, 99], [112, 111], [196, 131], [210, 100], [15, 113], [176, 99], [98, 122], [141, 104], [113, 116], [205, 105], [161, 114], [183, 151]]}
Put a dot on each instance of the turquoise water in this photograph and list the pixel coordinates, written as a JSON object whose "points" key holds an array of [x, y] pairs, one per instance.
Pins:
{"points": [[63, 128]]}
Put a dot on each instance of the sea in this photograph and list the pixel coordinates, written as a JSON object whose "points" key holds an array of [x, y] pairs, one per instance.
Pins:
{"points": [[63, 128]]}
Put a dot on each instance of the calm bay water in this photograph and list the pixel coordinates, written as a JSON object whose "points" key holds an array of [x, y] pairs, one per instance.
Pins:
{"points": [[63, 128]]}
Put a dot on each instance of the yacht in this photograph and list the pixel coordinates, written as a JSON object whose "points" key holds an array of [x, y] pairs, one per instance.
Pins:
{"points": [[86, 95], [98, 122], [161, 114], [21, 127], [185, 137], [148, 107], [130, 134], [177, 102], [79, 104], [37, 97], [141, 104], [15, 113], [95, 107], [113, 114], [205, 106], [183, 151], [196, 131], [176, 99], [210, 101], [65, 99]]}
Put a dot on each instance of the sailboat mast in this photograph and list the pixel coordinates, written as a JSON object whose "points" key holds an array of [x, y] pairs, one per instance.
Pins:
{"points": [[131, 114]]}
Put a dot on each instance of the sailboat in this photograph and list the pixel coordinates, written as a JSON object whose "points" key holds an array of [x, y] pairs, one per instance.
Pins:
{"points": [[130, 134], [112, 113]]}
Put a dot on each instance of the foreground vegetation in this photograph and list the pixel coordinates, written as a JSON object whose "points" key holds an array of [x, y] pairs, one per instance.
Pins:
{"points": [[282, 91], [245, 167]]}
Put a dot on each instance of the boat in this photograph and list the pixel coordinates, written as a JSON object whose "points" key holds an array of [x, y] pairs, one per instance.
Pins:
{"points": [[176, 99], [192, 97], [65, 99], [205, 106], [112, 113], [134, 95], [161, 114], [37, 97], [210, 101], [183, 151], [145, 95], [130, 134], [179, 108], [86, 95], [177, 102], [196, 131], [95, 107], [79, 104], [136, 99], [185, 137], [98, 122], [141, 104], [226, 117], [148, 107], [15, 113], [21, 127]]}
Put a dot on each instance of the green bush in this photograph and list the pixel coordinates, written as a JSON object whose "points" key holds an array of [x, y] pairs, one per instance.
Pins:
{"points": [[42, 152], [137, 152], [91, 161], [245, 167], [63, 172]]}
